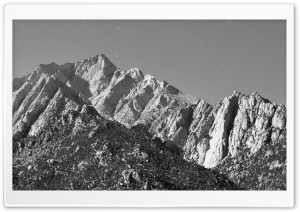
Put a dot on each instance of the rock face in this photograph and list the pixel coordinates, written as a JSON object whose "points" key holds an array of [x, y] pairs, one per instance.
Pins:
{"points": [[219, 131], [206, 134], [42, 97], [235, 121]]}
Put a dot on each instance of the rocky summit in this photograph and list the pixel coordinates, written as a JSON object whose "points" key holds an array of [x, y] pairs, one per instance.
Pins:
{"points": [[242, 137]]}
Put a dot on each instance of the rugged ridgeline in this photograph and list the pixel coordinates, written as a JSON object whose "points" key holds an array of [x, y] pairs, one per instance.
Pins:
{"points": [[207, 134]]}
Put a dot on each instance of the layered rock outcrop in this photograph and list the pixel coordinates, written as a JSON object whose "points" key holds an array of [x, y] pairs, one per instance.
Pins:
{"points": [[207, 134]]}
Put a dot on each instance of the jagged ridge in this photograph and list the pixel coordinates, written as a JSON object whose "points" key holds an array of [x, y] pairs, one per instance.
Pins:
{"points": [[206, 133]]}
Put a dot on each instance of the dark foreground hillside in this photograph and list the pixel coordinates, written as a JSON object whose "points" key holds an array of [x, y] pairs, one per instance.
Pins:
{"points": [[265, 170], [83, 151]]}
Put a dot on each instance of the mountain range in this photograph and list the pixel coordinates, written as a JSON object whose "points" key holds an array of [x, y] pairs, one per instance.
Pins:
{"points": [[242, 138]]}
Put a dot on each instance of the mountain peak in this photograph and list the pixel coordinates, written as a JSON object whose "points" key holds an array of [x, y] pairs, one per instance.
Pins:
{"points": [[98, 59], [136, 73], [48, 66], [257, 95]]}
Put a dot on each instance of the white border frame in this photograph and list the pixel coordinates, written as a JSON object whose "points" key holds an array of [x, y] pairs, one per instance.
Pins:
{"points": [[147, 198]]}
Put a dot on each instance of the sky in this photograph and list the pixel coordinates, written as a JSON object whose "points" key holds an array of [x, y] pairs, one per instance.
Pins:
{"points": [[208, 59]]}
